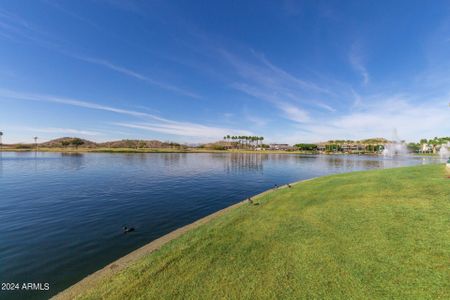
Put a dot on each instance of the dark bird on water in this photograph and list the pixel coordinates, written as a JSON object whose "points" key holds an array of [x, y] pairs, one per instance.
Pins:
{"points": [[127, 229], [276, 186]]}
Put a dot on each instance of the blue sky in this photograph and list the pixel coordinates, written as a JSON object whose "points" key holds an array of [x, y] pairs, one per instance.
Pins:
{"points": [[194, 71]]}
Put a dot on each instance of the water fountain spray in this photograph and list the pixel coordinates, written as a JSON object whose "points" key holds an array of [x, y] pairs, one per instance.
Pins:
{"points": [[444, 152], [395, 147]]}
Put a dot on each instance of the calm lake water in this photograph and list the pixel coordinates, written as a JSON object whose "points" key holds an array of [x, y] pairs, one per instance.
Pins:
{"points": [[61, 214]]}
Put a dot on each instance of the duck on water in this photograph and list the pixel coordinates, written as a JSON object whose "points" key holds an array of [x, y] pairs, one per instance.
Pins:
{"points": [[127, 229]]}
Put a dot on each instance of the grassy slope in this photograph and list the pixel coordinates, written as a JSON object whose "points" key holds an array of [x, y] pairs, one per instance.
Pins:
{"points": [[364, 235]]}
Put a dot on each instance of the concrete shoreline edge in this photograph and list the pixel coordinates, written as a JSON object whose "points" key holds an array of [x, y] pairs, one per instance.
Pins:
{"points": [[123, 262]]}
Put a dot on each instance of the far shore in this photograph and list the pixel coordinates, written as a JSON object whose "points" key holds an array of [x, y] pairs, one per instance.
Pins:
{"points": [[186, 150]]}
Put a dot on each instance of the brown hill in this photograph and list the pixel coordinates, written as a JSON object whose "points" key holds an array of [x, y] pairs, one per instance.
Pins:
{"points": [[68, 142], [138, 144], [133, 144]]}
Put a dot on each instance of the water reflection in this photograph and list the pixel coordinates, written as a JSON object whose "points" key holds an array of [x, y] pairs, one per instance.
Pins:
{"points": [[346, 163], [174, 159], [73, 161], [238, 163]]}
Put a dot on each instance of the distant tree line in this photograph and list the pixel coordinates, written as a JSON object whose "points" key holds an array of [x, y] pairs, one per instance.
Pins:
{"points": [[244, 141], [141, 144], [367, 146], [306, 147], [436, 141], [370, 145], [75, 142], [431, 143]]}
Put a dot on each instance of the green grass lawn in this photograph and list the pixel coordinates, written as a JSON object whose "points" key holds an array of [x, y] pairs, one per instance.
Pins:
{"points": [[364, 235]]}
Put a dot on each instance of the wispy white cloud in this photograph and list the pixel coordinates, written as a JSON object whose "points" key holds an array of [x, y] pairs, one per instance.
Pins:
{"points": [[357, 99], [228, 115], [325, 106], [137, 75], [281, 74], [9, 94], [356, 61], [318, 108], [256, 121], [265, 81], [157, 124], [186, 129], [57, 130], [384, 114], [57, 5], [128, 6], [290, 111], [16, 28], [293, 113], [15, 19]]}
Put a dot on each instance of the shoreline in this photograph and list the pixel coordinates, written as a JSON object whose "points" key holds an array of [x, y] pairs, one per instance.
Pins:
{"points": [[165, 150], [124, 261], [157, 150]]}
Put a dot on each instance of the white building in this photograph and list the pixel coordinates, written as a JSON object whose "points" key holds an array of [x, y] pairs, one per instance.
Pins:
{"points": [[279, 147]]}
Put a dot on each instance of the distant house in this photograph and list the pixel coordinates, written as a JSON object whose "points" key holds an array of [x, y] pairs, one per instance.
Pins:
{"points": [[425, 148], [279, 147], [321, 147], [346, 147]]}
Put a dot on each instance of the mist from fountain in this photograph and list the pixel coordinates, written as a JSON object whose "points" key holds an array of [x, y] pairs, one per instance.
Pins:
{"points": [[396, 147], [444, 152]]}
